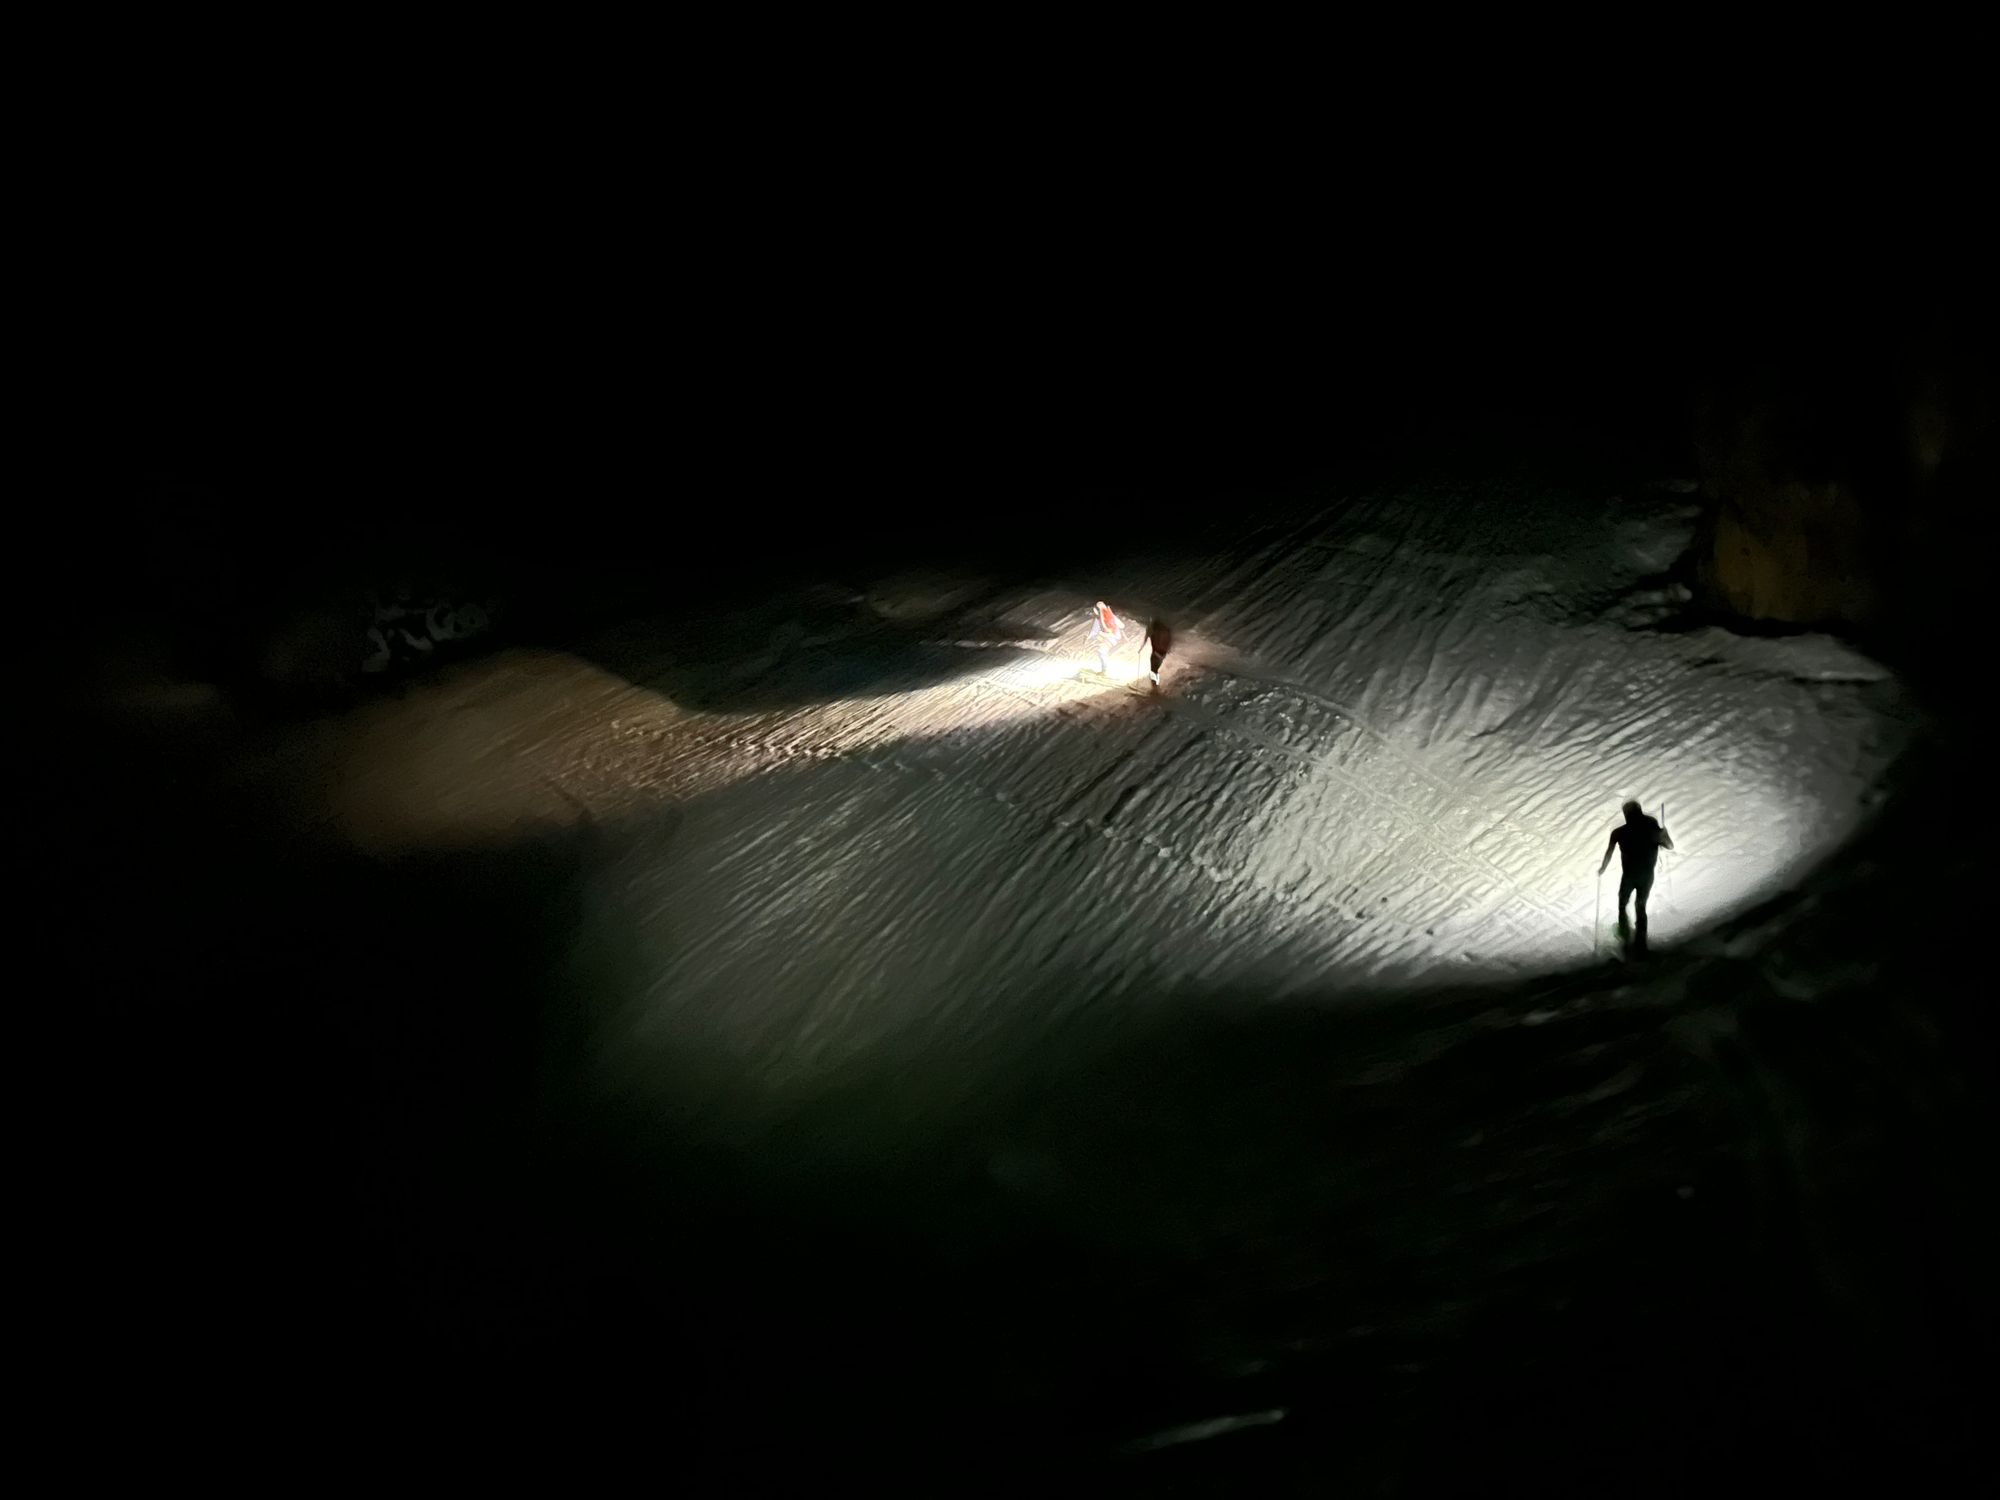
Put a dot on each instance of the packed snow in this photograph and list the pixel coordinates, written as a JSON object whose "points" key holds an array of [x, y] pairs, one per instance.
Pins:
{"points": [[1391, 738]]}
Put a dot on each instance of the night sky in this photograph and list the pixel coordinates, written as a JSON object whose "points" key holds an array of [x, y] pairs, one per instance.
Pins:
{"points": [[879, 375]]}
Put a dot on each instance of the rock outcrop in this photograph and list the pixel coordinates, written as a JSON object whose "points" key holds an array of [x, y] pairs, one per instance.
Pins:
{"points": [[1790, 552], [1836, 487]]}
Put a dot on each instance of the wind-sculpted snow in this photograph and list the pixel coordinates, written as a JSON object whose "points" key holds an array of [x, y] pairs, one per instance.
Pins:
{"points": [[1390, 742]]}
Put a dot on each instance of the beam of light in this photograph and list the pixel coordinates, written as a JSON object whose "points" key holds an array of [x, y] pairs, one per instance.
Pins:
{"points": [[530, 738]]}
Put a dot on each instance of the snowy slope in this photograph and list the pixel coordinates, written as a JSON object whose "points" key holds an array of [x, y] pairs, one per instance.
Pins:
{"points": [[1392, 738]]}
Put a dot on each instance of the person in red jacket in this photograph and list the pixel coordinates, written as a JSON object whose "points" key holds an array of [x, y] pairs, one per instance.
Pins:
{"points": [[1106, 629]]}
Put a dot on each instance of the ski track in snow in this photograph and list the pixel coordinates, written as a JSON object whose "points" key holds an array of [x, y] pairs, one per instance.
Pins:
{"points": [[1394, 735]]}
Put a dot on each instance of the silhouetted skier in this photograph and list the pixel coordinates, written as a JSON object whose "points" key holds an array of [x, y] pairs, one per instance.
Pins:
{"points": [[1159, 641], [1638, 842]]}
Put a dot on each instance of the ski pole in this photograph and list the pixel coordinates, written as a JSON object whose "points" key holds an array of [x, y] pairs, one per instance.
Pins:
{"points": [[1597, 915], [1666, 868]]}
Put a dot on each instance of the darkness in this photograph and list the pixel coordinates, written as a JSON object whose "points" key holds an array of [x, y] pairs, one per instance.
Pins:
{"points": [[754, 376], [277, 1175], [715, 446]]}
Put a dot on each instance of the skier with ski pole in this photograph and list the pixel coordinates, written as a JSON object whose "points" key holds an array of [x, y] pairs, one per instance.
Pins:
{"points": [[1638, 842]]}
